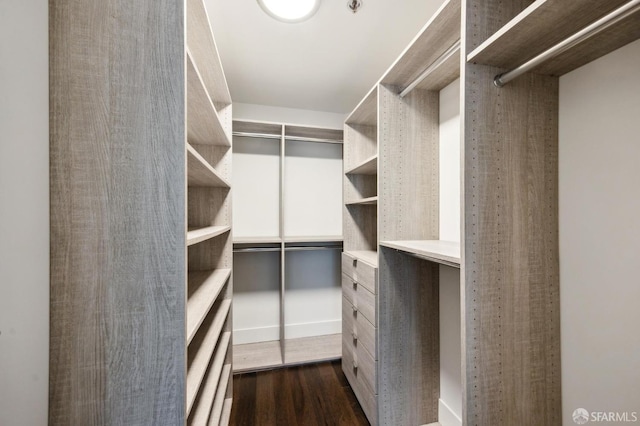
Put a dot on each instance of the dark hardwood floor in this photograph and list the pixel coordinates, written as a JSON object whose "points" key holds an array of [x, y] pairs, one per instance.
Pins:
{"points": [[309, 395]]}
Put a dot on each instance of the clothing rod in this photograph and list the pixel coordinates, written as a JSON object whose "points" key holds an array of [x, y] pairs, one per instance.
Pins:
{"points": [[429, 70], [289, 138], [582, 35], [312, 248], [256, 249]]}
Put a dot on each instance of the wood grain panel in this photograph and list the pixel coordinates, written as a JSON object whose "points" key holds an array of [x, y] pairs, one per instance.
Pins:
{"points": [[409, 165], [117, 176], [408, 318], [440, 33], [366, 112], [292, 132], [510, 262], [484, 18], [257, 127]]}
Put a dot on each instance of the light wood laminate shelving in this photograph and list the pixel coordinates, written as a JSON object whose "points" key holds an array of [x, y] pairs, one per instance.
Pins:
{"points": [[313, 349], [203, 123], [314, 239], [200, 172], [364, 202], [444, 252], [368, 166], [256, 356], [204, 288], [545, 23], [199, 235], [220, 401], [203, 414], [207, 362], [257, 240], [368, 256], [226, 413]]}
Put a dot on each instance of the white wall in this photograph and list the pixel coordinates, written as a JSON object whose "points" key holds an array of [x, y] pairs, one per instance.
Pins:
{"points": [[450, 403], [24, 212], [288, 115], [600, 234]]}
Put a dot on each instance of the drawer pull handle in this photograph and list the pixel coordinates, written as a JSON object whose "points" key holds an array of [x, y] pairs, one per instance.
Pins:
{"points": [[355, 262], [355, 285], [355, 308], [355, 364], [354, 335]]}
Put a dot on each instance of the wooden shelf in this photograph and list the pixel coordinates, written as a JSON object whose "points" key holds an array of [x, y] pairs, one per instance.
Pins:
{"points": [[545, 23], [436, 37], [366, 113], [206, 399], [294, 133], [203, 290], [315, 239], [198, 235], [364, 201], [368, 256], [226, 412], [256, 356], [444, 252], [220, 399], [366, 167], [203, 122], [198, 364], [200, 173], [205, 52], [313, 349], [270, 130], [256, 240]]}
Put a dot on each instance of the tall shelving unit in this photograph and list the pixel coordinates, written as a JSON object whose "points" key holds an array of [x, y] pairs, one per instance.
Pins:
{"points": [[274, 246], [508, 256], [209, 242], [141, 247]]}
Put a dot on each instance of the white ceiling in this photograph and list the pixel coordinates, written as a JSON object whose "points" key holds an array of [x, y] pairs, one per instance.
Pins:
{"points": [[327, 63]]}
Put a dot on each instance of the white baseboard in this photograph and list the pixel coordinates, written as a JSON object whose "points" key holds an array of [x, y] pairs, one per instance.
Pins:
{"points": [[255, 335], [296, 331], [446, 416]]}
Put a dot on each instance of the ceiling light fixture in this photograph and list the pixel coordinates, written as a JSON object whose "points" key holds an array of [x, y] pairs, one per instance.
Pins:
{"points": [[290, 10], [354, 5]]}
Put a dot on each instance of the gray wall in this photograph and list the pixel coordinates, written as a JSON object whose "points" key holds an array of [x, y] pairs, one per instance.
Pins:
{"points": [[24, 212]]}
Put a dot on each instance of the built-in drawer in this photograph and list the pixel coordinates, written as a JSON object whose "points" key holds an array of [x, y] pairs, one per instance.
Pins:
{"points": [[363, 300], [361, 272], [352, 371], [356, 327]]}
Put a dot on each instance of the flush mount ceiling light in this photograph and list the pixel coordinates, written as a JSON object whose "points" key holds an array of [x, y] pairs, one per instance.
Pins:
{"points": [[290, 10]]}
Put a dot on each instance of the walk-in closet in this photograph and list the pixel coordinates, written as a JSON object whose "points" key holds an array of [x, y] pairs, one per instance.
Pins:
{"points": [[315, 212]]}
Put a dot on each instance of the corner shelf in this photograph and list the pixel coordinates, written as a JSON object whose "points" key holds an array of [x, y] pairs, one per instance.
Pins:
{"points": [[198, 366], [443, 252], [203, 122], [313, 349], [545, 23], [201, 173], [364, 202], [367, 256], [255, 356], [366, 167], [198, 235], [204, 288]]}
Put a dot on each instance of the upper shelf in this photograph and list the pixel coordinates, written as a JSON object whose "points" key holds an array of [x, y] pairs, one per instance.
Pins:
{"points": [[203, 47], [367, 167], [444, 252], [436, 37], [203, 122], [200, 173], [368, 256], [544, 24], [269, 130], [301, 133], [366, 113], [203, 289]]}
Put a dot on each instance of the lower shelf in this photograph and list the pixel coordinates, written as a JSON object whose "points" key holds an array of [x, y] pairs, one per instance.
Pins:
{"points": [[226, 412], [264, 355], [444, 252]]}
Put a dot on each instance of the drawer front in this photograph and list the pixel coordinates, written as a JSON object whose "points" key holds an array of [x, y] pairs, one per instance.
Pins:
{"points": [[357, 328], [362, 299], [366, 368], [367, 399], [360, 271]]}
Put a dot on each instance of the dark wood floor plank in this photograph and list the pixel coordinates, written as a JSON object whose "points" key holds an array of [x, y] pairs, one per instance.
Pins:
{"points": [[309, 395]]}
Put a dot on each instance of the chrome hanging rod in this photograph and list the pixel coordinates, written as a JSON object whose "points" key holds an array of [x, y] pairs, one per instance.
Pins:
{"points": [[313, 248], [256, 249], [431, 68], [289, 138], [582, 35]]}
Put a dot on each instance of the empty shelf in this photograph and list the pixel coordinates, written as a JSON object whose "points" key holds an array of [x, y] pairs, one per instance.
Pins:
{"points": [[364, 202], [203, 123], [200, 172], [221, 397], [198, 235], [313, 349], [256, 356], [547, 22], [203, 290], [256, 240], [315, 239], [367, 167], [444, 252], [366, 113], [226, 412], [198, 364], [368, 256], [203, 411]]}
